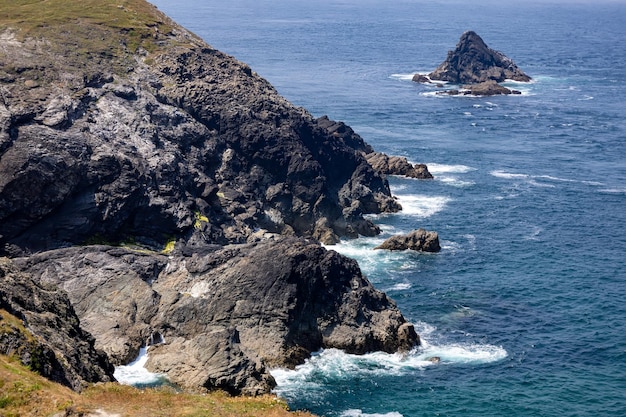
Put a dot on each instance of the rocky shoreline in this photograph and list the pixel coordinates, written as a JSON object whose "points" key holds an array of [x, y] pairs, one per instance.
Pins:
{"points": [[154, 188]]}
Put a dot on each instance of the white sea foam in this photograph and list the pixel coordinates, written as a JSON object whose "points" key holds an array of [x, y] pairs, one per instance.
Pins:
{"points": [[135, 372], [327, 367], [508, 175], [464, 353], [613, 190], [334, 364], [360, 413], [421, 205], [399, 287], [403, 77], [370, 260], [455, 182], [436, 168], [546, 180]]}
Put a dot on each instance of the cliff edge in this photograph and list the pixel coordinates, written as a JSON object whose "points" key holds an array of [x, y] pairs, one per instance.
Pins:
{"points": [[178, 199]]}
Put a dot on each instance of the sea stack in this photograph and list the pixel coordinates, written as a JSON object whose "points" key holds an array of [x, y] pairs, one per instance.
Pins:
{"points": [[473, 62]]}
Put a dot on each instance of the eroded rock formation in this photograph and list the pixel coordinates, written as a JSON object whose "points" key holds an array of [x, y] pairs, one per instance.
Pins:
{"points": [[160, 183], [396, 165], [476, 67], [142, 155], [418, 240], [225, 313], [473, 62], [47, 337]]}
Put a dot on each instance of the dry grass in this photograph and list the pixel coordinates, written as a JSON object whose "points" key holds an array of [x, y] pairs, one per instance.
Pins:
{"points": [[24, 393]]}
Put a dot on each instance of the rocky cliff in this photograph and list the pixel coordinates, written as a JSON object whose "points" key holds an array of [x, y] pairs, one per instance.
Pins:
{"points": [[226, 312], [39, 326], [103, 153], [120, 128]]}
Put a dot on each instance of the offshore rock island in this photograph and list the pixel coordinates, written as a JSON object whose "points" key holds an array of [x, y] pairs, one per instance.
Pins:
{"points": [[476, 67], [154, 188]]}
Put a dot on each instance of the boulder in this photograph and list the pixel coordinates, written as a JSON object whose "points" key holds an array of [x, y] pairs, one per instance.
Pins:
{"points": [[418, 240], [396, 165], [226, 313], [419, 78], [472, 62]]}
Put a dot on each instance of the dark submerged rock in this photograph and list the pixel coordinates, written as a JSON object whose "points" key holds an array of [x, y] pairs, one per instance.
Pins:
{"points": [[486, 88], [419, 78]]}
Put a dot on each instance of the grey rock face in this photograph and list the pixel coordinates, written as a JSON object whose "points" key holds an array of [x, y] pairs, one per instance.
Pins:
{"points": [[55, 346], [418, 240], [472, 62], [227, 313]]}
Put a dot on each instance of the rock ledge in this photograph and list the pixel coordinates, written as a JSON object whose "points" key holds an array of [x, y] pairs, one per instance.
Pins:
{"points": [[418, 240]]}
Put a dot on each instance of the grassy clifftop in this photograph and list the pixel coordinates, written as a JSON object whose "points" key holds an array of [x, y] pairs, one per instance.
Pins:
{"points": [[24, 393], [87, 33]]}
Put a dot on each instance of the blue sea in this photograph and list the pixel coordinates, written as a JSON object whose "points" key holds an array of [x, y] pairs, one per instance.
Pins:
{"points": [[526, 303]]}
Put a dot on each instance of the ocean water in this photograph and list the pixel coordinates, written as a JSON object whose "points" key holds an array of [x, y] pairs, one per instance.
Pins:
{"points": [[525, 304]]}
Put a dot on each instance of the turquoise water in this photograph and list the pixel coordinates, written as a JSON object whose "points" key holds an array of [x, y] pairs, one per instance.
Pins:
{"points": [[525, 303]]}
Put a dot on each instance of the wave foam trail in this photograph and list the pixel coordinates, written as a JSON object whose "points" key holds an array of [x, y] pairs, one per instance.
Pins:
{"points": [[421, 205], [507, 175], [333, 364], [435, 168], [464, 353], [403, 77], [135, 372]]}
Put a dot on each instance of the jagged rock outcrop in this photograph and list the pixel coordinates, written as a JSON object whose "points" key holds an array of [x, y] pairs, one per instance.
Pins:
{"points": [[227, 313], [473, 62], [418, 240], [396, 165], [48, 337], [185, 132]]}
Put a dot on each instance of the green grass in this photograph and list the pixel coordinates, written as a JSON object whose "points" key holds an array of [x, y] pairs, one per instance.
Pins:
{"points": [[90, 35]]}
